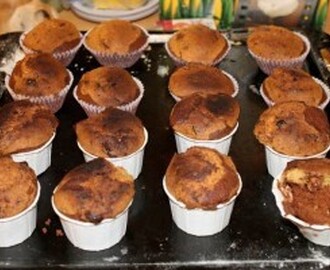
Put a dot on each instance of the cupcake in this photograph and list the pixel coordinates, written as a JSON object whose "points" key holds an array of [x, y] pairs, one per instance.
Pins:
{"points": [[292, 130], [197, 43], [205, 120], [202, 185], [55, 36], [26, 133], [275, 46], [115, 135], [40, 78], [302, 193], [105, 87], [286, 84], [198, 78], [92, 201], [116, 43], [18, 199]]}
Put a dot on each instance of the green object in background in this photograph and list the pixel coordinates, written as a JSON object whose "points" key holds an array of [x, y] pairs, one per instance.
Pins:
{"points": [[320, 14]]}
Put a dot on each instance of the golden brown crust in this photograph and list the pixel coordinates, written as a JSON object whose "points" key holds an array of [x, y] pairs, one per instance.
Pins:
{"points": [[39, 75], [305, 185], [116, 37], [294, 129], [198, 78], [275, 42], [52, 36], [205, 117], [285, 84], [112, 133], [25, 126], [198, 44], [108, 87], [94, 191], [18, 187], [202, 178]]}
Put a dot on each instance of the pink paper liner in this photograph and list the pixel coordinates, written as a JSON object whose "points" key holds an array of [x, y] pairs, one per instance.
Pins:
{"points": [[118, 60], [65, 57], [92, 109], [267, 65], [180, 62], [54, 102], [234, 81], [322, 105]]}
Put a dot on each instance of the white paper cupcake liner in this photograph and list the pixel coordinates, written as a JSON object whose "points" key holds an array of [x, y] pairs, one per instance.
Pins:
{"points": [[39, 159], [118, 60], [201, 222], [131, 163], [180, 62], [91, 109], [94, 237], [322, 106], [267, 65], [276, 162], [54, 101], [318, 234], [14, 230], [221, 145], [64, 57], [233, 80]]}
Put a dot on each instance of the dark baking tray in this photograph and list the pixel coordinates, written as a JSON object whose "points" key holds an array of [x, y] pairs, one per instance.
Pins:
{"points": [[256, 237]]}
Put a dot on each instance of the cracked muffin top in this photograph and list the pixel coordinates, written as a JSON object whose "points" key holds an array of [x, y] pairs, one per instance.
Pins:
{"points": [[293, 128], [202, 178], [94, 191]]}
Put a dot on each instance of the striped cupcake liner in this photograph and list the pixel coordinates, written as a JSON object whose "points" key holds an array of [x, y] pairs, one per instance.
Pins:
{"points": [[54, 102], [92, 109], [64, 57]]}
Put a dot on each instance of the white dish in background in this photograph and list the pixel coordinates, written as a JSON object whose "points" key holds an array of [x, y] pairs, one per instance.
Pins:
{"points": [[99, 15]]}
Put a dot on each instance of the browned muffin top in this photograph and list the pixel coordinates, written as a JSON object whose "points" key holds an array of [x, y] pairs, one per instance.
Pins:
{"points": [[285, 84], [198, 78], [205, 117], [294, 129], [25, 126], [52, 36], [198, 43], [275, 42], [94, 191], [108, 86], [39, 75], [18, 187], [112, 133], [202, 178], [116, 37], [305, 185]]}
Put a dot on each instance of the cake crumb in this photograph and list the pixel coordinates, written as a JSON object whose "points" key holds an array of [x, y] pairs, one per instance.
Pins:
{"points": [[48, 222], [44, 230], [59, 233]]}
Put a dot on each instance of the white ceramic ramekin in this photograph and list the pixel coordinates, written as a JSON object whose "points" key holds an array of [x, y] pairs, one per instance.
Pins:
{"points": [[318, 234], [39, 159], [221, 145], [201, 222], [94, 237], [131, 163], [14, 230], [276, 162]]}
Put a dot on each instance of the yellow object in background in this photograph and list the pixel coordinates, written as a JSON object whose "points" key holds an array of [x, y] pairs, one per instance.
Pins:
{"points": [[118, 4]]}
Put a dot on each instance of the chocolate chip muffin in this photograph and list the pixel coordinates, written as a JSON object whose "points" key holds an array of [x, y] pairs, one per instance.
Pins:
{"points": [[205, 117], [199, 78], [294, 128], [112, 133], [305, 185], [25, 126], [198, 43], [94, 191], [202, 178], [18, 184]]}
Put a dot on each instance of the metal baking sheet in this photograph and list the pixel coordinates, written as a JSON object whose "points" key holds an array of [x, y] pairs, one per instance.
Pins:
{"points": [[257, 237]]}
